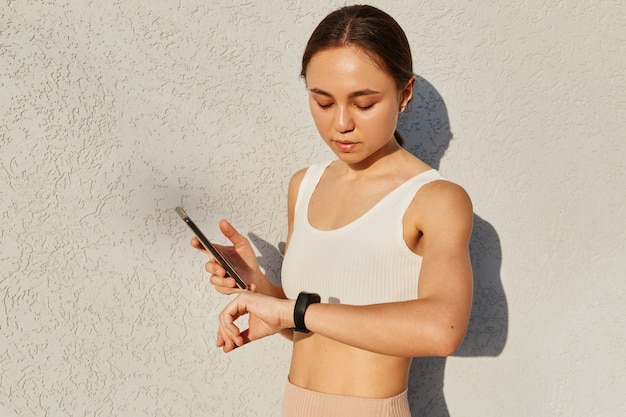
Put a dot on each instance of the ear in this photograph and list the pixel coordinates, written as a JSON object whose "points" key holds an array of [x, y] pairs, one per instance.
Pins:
{"points": [[407, 93]]}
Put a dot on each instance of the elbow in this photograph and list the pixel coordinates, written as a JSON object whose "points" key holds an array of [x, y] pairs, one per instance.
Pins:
{"points": [[448, 347], [448, 341]]}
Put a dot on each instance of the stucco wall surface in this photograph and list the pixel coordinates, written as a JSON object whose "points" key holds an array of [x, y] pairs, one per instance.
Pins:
{"points": [[113, 113]]}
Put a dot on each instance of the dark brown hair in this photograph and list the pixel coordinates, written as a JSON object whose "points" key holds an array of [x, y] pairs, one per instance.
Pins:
{"points": [[370, 29]]}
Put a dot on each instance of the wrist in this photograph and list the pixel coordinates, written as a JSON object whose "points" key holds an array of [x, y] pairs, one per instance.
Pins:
{"points": [[301, 304], [287, 315]]}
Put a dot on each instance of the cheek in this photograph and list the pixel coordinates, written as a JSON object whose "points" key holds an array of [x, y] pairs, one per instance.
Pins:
{"points": [[322, 118], [382, 120]]}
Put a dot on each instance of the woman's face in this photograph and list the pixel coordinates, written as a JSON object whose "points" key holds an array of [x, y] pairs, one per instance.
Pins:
{"points": [[354, 103]]}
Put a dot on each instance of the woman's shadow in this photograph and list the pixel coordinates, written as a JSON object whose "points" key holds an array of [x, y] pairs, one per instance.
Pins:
{"points": [[426, 130]]}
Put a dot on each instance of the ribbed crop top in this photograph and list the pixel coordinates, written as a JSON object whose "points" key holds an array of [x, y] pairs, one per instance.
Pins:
{"points": [[364, 262]]}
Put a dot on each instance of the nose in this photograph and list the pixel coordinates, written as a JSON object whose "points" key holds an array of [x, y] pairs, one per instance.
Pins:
{"points": [[343, 120]]}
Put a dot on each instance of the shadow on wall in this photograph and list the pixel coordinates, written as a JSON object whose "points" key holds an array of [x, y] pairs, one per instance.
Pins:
{"points": [[426, 130], [270, 259]]}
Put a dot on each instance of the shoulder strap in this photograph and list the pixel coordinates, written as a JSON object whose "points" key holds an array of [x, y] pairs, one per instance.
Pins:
{"points": [[307, 186]]}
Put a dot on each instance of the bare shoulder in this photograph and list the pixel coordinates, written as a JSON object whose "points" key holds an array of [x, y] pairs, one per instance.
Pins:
{"points": [[292, 196], [292, 192], [442, 206], [295, 181], [444, 192]]}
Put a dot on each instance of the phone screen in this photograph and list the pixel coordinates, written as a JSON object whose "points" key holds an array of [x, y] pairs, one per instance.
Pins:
{"points": [[230, 271]]}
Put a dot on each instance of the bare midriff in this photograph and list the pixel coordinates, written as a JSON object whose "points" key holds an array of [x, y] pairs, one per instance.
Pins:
{"points": [[325, 365]]}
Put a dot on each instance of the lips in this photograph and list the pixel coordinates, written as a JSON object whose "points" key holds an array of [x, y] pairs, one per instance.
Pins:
{"points": [[345, 146]]}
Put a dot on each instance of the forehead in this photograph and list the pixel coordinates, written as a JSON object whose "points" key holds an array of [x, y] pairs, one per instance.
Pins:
{"points": [[346, 66]]}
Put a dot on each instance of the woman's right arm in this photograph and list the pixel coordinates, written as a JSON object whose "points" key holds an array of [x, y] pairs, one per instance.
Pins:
{"points": [[244, 261], [229, 336], [242, 255]]}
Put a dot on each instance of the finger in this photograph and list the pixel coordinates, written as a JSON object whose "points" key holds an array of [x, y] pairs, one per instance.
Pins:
{"points": [[226, 283], [232, 234], [215, 268], [231, 344], [196, 244], [226, 344], [245, 336], [230, 332], [223, 341]]}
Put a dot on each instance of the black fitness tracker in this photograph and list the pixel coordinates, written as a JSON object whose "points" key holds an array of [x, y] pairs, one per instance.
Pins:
{"points": [[303, 301]]}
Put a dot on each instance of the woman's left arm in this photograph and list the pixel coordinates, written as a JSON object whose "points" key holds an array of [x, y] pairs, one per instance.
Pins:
{"points": [[433, 325], [436, 322]]}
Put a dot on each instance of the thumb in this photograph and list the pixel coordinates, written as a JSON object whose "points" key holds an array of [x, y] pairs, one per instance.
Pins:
{"points": [[245, 336], [232, 234]]}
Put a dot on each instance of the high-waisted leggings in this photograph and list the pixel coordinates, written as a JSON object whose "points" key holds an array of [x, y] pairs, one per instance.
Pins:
{"points": [[301, 402]]}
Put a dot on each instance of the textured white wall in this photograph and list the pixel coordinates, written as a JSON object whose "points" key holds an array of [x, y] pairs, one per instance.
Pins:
{"points": [[112, 114]]}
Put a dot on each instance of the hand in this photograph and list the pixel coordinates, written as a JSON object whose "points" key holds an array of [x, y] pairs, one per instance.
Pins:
{"points": [[267, 315], [242, 257]]}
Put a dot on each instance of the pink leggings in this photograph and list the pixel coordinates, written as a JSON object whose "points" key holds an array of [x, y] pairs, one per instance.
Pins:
{"points": [[301, 402]]}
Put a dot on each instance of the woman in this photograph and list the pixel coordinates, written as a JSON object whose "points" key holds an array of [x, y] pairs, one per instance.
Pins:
{"points": [[376, 235]]}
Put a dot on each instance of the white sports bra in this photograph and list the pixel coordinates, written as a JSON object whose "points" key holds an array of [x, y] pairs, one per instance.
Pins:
{"points": [[364, 262]]}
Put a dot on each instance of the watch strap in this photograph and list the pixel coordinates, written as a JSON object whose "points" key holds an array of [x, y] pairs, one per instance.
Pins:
{"points": [[303, 302]]}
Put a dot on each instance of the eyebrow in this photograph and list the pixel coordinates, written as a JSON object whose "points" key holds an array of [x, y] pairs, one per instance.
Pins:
{"points": [[359, 93]]}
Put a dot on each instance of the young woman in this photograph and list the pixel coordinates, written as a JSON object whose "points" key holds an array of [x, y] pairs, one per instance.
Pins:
{"points": [[377, 268]]}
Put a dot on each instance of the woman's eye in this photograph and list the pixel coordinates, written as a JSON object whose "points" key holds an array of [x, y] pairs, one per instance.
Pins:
{"points": [[324, 105], [366, 107]]}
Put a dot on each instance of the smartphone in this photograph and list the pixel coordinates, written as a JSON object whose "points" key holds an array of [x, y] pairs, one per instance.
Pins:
{"points": [[230, 271]]}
